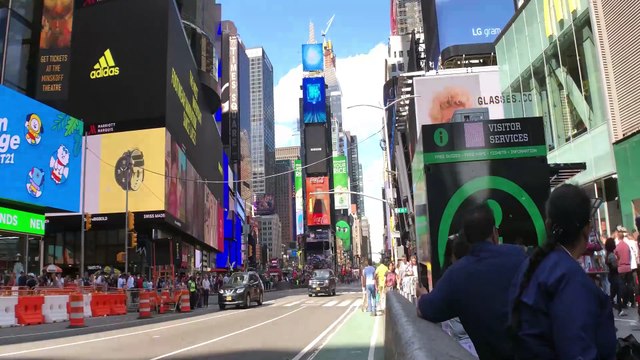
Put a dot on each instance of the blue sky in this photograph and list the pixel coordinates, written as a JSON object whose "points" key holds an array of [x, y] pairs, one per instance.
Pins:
{"points": [[282, 26], [359, 34]]}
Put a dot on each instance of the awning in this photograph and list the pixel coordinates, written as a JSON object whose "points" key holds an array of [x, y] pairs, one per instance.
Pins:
{"points": [[561, 173]]}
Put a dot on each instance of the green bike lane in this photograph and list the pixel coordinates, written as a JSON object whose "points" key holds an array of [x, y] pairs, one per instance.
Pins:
{"points": [[360, 337]]}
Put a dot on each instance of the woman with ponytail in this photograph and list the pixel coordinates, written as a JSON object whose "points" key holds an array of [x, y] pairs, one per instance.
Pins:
{"points": [[557, 311]]}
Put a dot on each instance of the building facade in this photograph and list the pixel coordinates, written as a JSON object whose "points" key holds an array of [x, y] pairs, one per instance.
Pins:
{"points": [[284, 199], [263, 141], [355, 172], [290, 153], [270, 230], [549, 57]]}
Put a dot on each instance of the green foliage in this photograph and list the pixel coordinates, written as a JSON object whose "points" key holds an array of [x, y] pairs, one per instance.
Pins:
{"points": [[71, 127]]}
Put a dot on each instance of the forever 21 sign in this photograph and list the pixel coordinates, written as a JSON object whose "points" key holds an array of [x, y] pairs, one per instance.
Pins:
{"points": [[234, 131]]}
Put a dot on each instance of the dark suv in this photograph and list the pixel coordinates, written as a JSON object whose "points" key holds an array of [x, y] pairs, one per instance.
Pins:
{"points": [[323, 281], [242, 289]]}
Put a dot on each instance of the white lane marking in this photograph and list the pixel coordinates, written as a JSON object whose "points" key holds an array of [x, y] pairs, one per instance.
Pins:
{"points": [[331, 303], [268, 302], [625, 320], [120, 335], [345, 303], [322, 335], [293, 303], [356, 303], [330, 336], [225, 336], [374, 338]]}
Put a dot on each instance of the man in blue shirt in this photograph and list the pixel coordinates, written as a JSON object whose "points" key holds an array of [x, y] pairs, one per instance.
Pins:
{"points": [[475, 288], [369, 285]]}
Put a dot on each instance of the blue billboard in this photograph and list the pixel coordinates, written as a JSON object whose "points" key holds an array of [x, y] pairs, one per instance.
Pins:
{"points": [[312, 57], [471, 21], [40, 153], [314, 103]]}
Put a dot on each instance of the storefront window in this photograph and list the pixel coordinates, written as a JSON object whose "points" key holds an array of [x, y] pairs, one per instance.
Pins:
{"points": [[19, 44], [560, 117]]}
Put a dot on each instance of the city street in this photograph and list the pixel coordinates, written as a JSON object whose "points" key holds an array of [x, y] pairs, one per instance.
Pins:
{"points": [[290, 325]]}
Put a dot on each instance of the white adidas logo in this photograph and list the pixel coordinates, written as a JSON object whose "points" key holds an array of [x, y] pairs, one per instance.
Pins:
{"points": [[105, 67]]}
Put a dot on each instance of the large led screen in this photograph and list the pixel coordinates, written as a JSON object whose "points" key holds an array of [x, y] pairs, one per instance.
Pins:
{"points": [[341, 183], [314, 104], [318, 201], [299, 200], [312, 57], [471, 21], [316, 153], [40, 153]]}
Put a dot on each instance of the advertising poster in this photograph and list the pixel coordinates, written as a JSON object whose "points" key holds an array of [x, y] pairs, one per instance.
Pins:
{"points": [[210, 219], [40, 153], [55, 50], [441, 96], [318, 205], [264, 205], [343, 233], [299, 198], [314, 105], [312, 57], [502, 163], [316, 154], [341, 183], [107, 171], [471, 22]]}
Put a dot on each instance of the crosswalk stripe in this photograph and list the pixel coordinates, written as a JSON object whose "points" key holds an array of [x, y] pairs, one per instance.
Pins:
{"points": [[345, 303], [330, 303], [356, 302], [293, 303]]}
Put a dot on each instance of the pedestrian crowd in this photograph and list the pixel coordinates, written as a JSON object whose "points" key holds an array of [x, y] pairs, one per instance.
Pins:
{"points": [[541, 304]]}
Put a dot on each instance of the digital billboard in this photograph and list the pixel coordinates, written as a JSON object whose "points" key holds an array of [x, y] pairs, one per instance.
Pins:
{"points": [[106, 173], [463, 22], [40, 153], [55, 50], [299, 198], [318, 205], [342, 197], [118, 71], [312, 57], [441, 98], [316, 153], [343, 233], [264, 204], [314, 103]]}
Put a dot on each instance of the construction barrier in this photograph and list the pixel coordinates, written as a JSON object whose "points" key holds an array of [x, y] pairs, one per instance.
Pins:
{"points": [[8, 311], [164, 302], [86, 301], [144, 311], [185, 305], [118, 304], [76, 310], [100, 305], [29, 310], [54, 308]]}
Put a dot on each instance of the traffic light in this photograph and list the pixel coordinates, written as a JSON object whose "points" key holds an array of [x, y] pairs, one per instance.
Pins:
{"points": [[130, 221], [134, 240], [87, 221]]}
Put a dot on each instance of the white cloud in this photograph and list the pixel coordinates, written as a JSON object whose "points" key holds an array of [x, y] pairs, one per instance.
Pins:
{"points": [[361, 79]]}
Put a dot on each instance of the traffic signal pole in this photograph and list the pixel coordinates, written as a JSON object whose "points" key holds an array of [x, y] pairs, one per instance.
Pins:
{"points": [[126, 217], [82, 218]]}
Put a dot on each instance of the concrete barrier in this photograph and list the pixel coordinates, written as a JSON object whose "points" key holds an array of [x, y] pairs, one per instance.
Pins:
{"points": [[408, 337]]}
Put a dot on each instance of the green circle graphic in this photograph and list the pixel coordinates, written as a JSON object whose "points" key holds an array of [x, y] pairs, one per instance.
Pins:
{"points": [[441, 137], [485, 183]]}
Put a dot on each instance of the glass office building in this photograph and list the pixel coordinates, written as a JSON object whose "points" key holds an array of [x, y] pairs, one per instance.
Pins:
{"points": [[550, 66]]}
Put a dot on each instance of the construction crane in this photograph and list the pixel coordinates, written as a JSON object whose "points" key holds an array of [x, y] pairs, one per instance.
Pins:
{"points": [[324, 33]]}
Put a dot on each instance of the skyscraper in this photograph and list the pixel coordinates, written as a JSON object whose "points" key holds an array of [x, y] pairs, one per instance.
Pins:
{"points": [[270, 235], [263, 142], [407, 15], [290, 153], [355, 172], [284, 199]]}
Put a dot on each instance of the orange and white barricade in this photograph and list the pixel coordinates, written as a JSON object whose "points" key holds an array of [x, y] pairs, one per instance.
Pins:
{"points": [[76, 311], [144, 310], [185, 304]]}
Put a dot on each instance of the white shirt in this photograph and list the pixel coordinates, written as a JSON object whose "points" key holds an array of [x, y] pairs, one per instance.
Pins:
{"points": [[225, 279], [633, 246], [130, 282], [206, 284], [121, 283]]}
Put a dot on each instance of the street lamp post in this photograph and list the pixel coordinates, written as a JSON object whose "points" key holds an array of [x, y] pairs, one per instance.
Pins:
{"points": [[126, 217], [388, 171]]}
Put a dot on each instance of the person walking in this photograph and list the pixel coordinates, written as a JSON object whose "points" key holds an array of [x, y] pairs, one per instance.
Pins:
{"points": [[381, 273], [613, 276], [475, 288], [558, 312], [623, 254], [369, 285]]}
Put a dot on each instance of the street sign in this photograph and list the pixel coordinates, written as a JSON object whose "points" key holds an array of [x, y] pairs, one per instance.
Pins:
{"points": [[401, 210]]}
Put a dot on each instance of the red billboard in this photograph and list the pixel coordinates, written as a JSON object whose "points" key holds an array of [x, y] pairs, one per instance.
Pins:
{"points": [[318, 205]]}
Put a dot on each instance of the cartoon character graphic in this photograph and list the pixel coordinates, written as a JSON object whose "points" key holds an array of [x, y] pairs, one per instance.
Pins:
{"points": [[35, 182], [59, 165], [34, 129], [343, 232]]}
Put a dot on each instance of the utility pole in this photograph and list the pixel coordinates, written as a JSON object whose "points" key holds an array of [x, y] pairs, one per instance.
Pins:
{"points": [[84, 192], [126, 215]]}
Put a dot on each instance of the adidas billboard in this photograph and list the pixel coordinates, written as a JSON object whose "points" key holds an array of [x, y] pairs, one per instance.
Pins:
{"points": [[105, 67]]}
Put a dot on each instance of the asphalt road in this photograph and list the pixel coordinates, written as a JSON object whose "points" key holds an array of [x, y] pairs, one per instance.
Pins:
{"points": [[290, 325]]}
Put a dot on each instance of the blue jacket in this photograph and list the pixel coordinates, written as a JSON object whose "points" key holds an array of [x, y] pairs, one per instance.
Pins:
{"points": [[562, 314], [475, 289]]}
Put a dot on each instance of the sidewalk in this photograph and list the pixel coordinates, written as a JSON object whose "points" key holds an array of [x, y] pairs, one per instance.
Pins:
{"points": [[629, 324]]}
